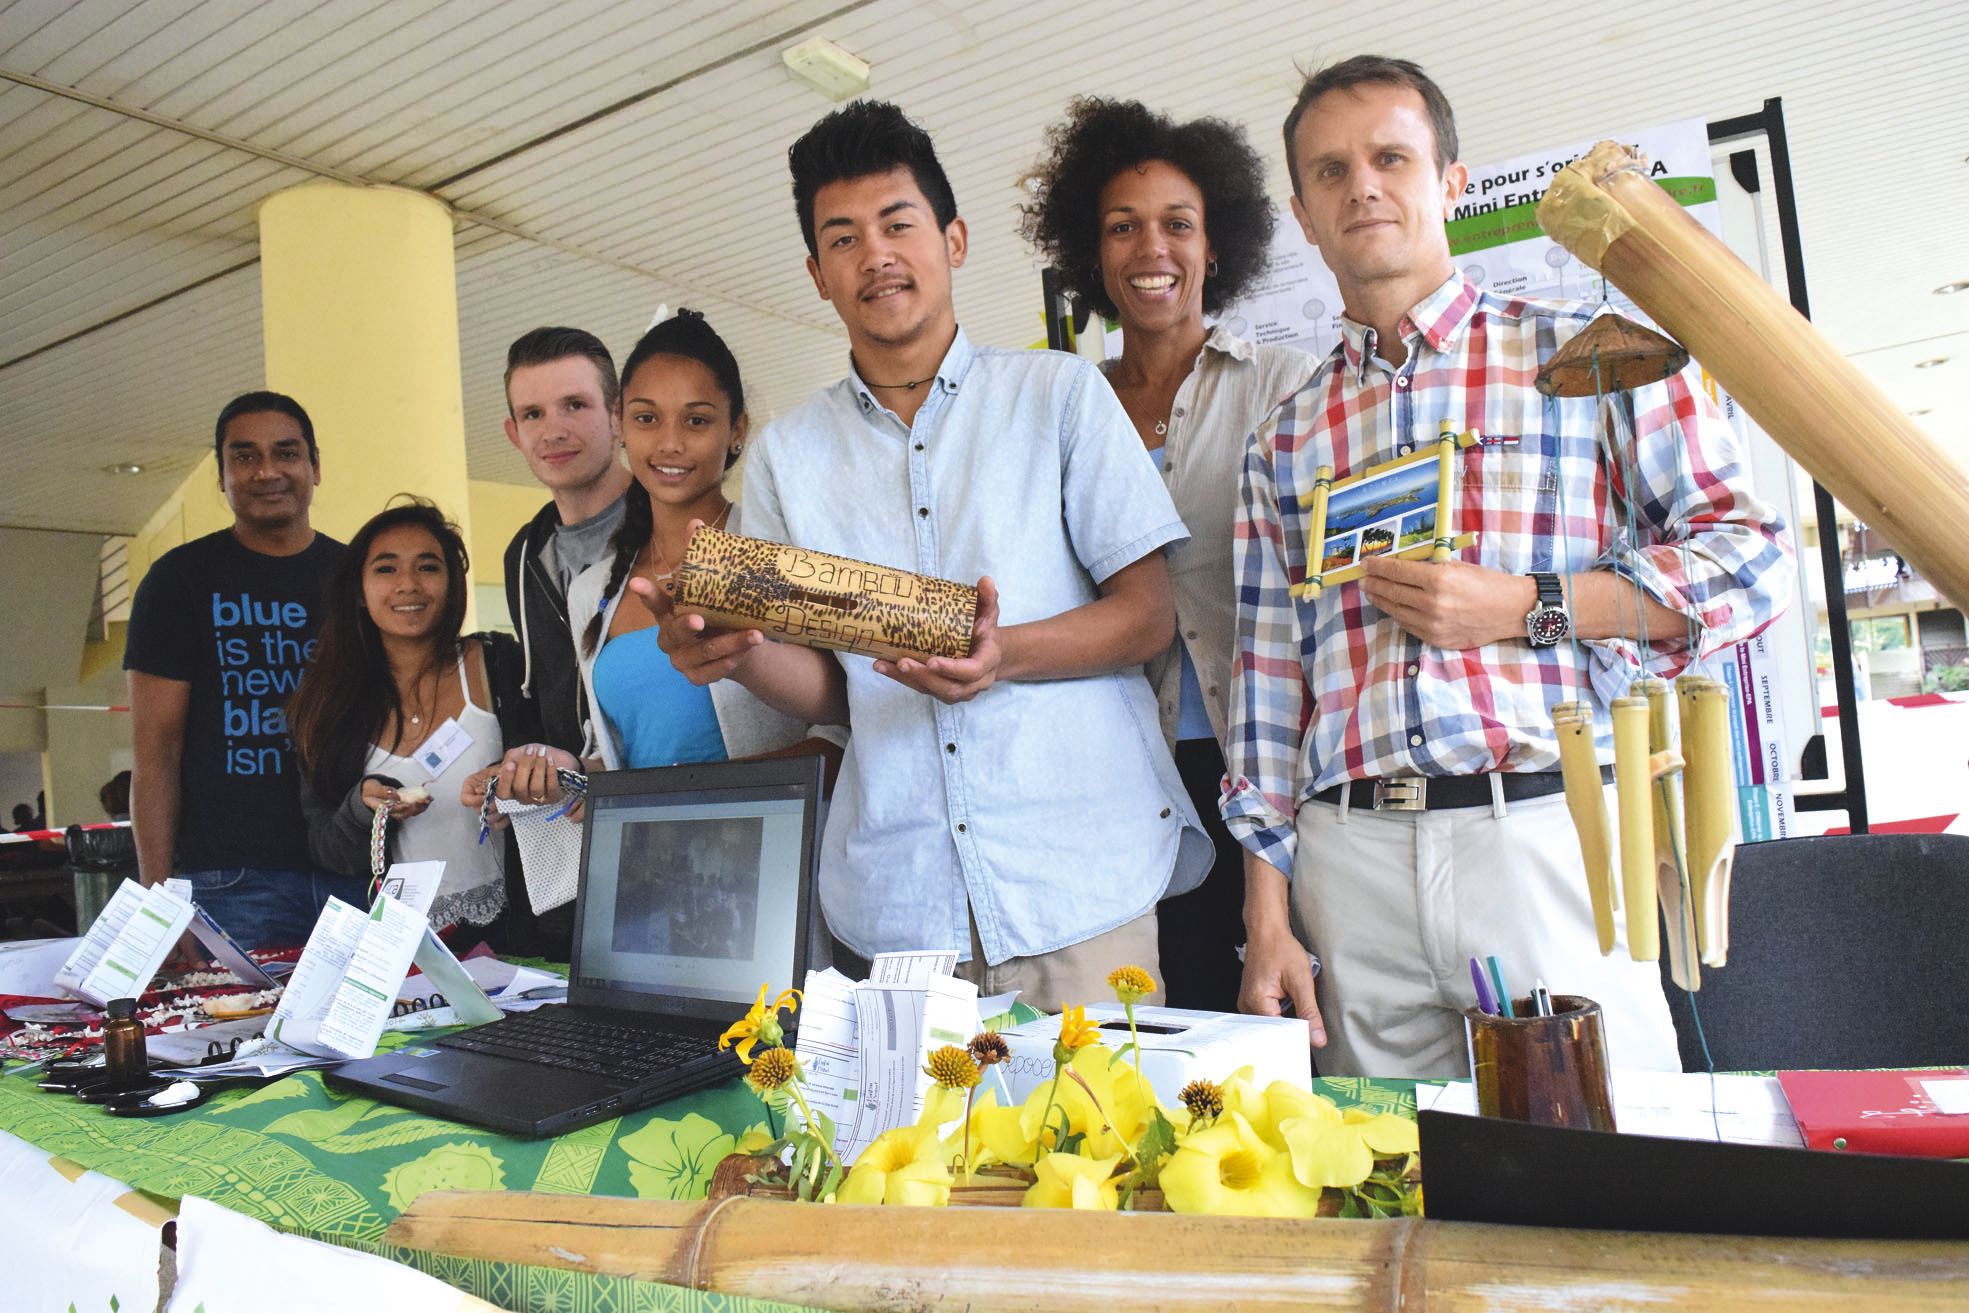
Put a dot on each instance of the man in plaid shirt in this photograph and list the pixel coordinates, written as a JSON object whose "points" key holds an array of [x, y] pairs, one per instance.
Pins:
{"points": [[1393, 770]]}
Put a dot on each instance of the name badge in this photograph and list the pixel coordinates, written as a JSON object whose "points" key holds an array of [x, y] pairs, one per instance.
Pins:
{"points": [[448, 742]]}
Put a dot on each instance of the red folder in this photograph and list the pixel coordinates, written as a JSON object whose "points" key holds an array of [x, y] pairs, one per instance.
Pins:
{"points": [[1876, 1112]]}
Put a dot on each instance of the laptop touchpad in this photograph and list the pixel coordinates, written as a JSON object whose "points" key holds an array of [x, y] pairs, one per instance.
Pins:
{"points": [[398, 1078]]}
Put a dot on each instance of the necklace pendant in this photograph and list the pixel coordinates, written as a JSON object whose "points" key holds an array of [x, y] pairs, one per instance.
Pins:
{"points": [[1162, 428]]}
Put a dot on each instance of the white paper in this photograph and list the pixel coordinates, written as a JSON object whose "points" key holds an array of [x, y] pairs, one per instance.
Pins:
{"points": [[1674, 1105], [29, 967], [414, 884], [913, 969], [131, 960], [825, 1046], [1951, 1097], [109, 923], [303, 1004], [368, 990], [352, 972], [468, 1001], [69, 1242], [230, 1263]]}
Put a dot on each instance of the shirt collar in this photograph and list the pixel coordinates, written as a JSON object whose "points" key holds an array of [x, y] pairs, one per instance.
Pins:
{"points": [[1223, 340], [950, 373], [1439, 317]]}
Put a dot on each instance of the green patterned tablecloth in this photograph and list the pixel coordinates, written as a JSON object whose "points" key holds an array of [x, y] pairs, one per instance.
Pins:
{"points": [[312, 1160]]}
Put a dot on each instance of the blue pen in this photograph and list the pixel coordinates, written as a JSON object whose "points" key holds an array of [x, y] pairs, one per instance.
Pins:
{"points": [[1503, 994], [1486, 998]]}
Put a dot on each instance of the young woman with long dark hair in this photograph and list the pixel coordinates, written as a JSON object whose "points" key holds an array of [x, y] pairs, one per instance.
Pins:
{"points": [[395, 700]]}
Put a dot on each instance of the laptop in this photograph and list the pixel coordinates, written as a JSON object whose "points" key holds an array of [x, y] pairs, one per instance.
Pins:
{"points": [[696, 888]]}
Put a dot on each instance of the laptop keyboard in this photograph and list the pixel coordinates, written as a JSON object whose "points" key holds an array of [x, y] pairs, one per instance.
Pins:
{"points": [[582, 1044]]}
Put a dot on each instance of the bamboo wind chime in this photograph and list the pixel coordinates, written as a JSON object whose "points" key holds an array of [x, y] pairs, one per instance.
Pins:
{"points": [[1674, 778]]}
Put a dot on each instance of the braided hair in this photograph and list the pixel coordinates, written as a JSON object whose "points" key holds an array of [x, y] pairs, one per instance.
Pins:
{"points": [[684, 334]]}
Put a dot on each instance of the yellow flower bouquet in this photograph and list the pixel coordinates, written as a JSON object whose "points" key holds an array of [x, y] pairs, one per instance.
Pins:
{"points": [[1096, 1137]]}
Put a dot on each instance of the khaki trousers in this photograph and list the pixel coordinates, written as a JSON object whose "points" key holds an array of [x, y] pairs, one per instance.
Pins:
{"points": [[1077, 973], [1396, 904]]}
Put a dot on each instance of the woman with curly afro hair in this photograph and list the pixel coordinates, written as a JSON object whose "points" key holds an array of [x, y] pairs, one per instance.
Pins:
{"points": [[1158, 223]]}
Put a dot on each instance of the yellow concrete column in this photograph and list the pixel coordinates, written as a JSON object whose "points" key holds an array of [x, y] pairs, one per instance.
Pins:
{"points": [[359, 307]]}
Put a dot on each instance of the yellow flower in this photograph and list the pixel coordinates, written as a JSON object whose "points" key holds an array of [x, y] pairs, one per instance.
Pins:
{"points": [[1066, 1180], [772, 1069], [760, 1025], [952, 1068], [1076, 1032], [1007, 1135], [1386, 1134], [903, 1166], [1326, 1152], [1131, 984], [1229, 1171]]}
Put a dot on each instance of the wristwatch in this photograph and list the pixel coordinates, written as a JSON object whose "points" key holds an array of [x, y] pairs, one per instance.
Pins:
{"points": [[1547, 623]]}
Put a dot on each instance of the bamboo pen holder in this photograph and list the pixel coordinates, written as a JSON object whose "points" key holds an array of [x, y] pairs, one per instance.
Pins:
{"points": [[1550, 1071], [817, 599]]}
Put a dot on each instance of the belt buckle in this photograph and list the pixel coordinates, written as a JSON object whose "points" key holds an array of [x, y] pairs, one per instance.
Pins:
{"points": [[1401, 793]]}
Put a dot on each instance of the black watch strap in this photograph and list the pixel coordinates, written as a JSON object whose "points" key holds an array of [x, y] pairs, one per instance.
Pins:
{"points": [[1549, 592]]}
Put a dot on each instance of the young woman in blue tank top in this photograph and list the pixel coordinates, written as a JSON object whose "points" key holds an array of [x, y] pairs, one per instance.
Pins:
{"points": [[683, 427]]}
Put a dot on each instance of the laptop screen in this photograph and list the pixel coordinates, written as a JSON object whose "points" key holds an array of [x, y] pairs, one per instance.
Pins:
{"points": [[693, 894]]}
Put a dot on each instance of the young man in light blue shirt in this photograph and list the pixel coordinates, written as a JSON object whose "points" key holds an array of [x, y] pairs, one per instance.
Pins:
{"points": [[1018, 804]]}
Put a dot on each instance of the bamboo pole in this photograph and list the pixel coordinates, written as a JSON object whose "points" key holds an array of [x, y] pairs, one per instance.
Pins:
{"points": [[986, 1260], [1709, 792], [1604, 209], [1586, 799], [1632, 787], [1671, 862]]}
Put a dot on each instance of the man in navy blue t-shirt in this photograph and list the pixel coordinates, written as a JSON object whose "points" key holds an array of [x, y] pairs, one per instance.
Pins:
{"points": [[220, 631]]}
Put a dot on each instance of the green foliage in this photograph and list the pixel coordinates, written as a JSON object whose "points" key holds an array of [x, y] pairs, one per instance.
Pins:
{"points": [[1153, 1149], [1947, 679]]}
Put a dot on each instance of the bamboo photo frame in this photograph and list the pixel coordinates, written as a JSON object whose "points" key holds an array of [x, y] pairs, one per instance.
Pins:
{"points": [[1390, 509]]}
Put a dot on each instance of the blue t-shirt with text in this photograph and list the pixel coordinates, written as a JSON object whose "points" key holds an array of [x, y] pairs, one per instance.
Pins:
{"points": [[239, 627]]}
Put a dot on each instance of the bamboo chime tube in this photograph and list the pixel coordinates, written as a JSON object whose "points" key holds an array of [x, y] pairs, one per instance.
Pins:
{"points": [[1604, 209], [1671, 871], [992, 1260], [1445, 484], [1586, 799], [1709, 793], [819, 600], [1316, 553], [1632, 785]]}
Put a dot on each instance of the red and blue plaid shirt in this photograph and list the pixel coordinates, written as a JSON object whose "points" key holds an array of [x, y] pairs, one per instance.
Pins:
{"points": [[1330, 689]]}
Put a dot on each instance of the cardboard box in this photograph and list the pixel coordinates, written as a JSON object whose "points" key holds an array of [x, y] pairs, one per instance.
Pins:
{"points": [[1178, 1046]]}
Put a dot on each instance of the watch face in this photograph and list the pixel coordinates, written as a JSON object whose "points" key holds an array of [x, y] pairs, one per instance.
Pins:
{"points": [[1547, 625]]}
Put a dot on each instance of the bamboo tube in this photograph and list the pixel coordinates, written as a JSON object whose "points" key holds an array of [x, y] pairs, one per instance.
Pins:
{"points": [[1671, 865], [1445, 485], [1586, 799], [864, 1259], [1709, 791], [1637, 838], [819, 600], [1604, 209], [1316, 544]]}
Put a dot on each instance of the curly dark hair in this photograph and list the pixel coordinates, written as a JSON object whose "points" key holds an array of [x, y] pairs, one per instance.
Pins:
{"points": [[1098, 139]]}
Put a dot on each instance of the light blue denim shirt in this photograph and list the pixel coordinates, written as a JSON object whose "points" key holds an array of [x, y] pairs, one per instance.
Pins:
{"points": [[1052, 806]]}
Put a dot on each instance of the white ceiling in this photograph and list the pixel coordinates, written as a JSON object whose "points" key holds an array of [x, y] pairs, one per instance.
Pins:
{"points": [[608, 156]]}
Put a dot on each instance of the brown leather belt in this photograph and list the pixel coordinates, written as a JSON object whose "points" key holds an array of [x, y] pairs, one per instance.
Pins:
{"points": [[1414, 793]]}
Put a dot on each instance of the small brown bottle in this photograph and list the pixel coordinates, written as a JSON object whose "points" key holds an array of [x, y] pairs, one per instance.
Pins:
{"points": [[125, 1062]]}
